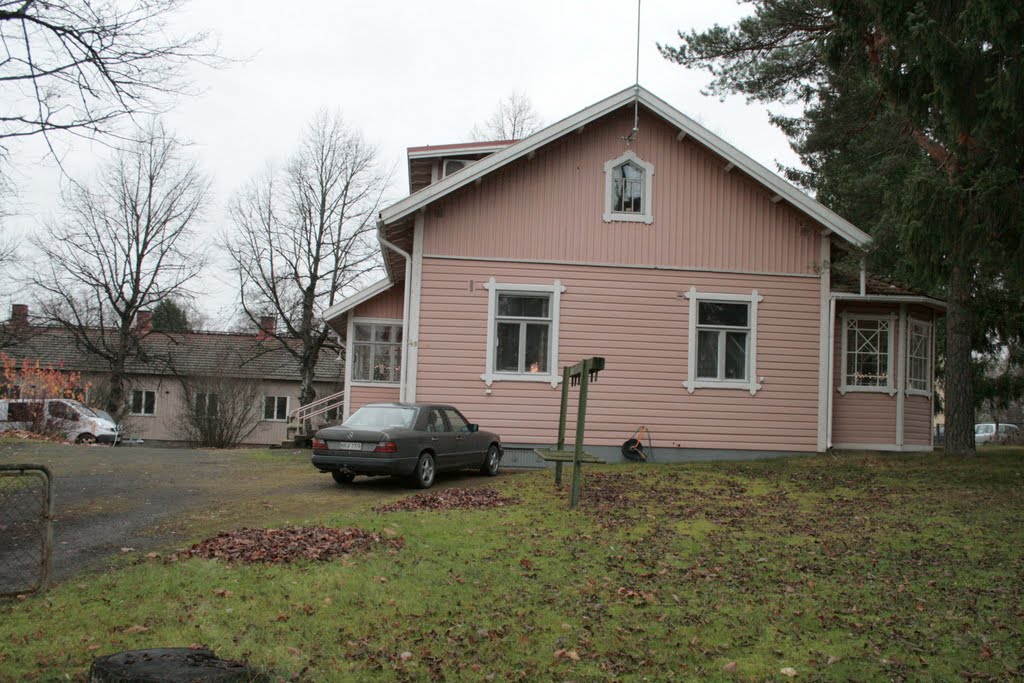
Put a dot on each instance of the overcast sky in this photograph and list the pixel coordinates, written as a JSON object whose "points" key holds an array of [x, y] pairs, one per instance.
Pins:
{"points": [[406, 74]]}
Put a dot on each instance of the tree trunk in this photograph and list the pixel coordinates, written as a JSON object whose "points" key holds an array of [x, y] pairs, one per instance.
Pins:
{"points": [[116, 401], [959, 376]]}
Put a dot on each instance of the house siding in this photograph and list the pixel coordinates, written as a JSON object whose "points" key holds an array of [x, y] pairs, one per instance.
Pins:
{"points": [[917, 421], [361, 395], [550, 208], [387, 304], [637, 319]]}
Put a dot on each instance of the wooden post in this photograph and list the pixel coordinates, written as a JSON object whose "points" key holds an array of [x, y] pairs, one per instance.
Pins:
{"points": [[581, 418], [561, 423]]}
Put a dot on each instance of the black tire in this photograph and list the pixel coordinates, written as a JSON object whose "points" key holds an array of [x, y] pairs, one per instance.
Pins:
{"points": [[343, 477], [492, 461], [86, 438], [425, 472]]}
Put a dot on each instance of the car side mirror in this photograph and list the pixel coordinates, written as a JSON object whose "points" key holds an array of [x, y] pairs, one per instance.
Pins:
{"points": [[473, 427]]}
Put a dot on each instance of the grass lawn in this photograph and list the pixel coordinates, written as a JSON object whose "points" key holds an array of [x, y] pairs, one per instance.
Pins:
{"points": [[851, 568]]}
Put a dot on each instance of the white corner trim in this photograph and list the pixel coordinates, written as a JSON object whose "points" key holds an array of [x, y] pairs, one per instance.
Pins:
{"points": [[347, 403], [824, 348], [901, 355], [609, 187], [411, 336], [692, 382], [492, 286]]}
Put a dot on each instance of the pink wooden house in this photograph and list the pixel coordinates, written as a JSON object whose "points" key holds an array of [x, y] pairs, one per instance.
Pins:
{"points": [[702, 277]]}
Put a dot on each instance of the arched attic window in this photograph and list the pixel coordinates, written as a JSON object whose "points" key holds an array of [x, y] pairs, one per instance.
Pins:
{"points": [[627, 189]]}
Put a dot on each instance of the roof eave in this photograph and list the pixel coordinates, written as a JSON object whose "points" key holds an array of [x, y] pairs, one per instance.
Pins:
{"points": [[350, 302], [891, 299]]}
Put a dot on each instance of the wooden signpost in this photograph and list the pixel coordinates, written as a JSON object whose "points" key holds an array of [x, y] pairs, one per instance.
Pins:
{"points": [[582, 374]]}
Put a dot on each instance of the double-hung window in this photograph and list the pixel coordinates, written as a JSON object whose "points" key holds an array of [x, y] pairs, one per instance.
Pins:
{"points": [[867, 353], [275, 408], [143, 402], [376, 352], [723, 341], [919, 357], [206, 404], [522, 331]]}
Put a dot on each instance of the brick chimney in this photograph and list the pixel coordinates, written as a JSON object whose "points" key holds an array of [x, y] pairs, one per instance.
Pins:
{"points": [[144, 322], [19, 315], [268, 325]]}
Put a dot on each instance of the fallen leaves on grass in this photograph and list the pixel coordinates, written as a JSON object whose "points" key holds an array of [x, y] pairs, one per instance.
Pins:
{"points": [[288, 544], [448, 499]]}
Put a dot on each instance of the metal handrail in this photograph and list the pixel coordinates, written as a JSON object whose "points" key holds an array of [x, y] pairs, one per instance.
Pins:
{"points": [[305, 411]]}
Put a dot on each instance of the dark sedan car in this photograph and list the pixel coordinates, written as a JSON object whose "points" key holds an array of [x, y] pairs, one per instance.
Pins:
{"points": [[405, 439]]}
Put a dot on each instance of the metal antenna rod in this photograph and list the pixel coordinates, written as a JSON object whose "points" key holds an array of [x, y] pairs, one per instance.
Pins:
{"points": [[636, 82]]}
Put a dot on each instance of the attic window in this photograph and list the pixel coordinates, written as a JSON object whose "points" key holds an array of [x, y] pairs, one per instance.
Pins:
{"points": [[627, 189], [450, 166]]}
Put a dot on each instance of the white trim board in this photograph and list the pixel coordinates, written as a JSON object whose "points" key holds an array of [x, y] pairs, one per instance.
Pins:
{"points": [[776, 184], [891, 299]]}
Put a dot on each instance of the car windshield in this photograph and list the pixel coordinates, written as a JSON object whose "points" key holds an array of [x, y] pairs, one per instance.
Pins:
{"points": [[81, 407], [984, 429], [379, 417]]}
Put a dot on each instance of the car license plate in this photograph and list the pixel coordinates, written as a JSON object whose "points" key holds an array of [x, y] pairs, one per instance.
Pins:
{"points": [[346, 445]]}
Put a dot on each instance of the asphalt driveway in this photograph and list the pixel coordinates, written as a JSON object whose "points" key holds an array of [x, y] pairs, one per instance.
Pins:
{"points": [[116, 502]]}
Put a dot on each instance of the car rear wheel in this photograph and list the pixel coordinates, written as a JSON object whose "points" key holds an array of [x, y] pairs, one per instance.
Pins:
{"points": [[491, 462], [425, 471], [343, 477], [86, 438]]}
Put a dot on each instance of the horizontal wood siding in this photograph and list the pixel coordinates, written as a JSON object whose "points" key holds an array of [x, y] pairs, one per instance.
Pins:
{"points": [[861, 417], [917, 420], [361, 395], [638, 320], [551, 208], [387, 304]]}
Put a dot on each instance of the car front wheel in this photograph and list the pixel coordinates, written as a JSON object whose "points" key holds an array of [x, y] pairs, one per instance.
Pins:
{"points": [[491, 462], [86, 438], [425, 471]]}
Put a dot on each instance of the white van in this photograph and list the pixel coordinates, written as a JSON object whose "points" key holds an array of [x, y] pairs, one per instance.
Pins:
{"points": [[76, 420]]}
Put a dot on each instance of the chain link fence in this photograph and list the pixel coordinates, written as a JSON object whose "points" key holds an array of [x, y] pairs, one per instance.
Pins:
{"points": [[26, 531]]}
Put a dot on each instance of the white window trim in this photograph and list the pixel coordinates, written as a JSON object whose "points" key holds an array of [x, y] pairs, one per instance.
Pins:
{"points": [[156, 400], [287, 408], [609, 190], [890, 387], [911, 321], [352, 322], [753, 382], [493, 288]]}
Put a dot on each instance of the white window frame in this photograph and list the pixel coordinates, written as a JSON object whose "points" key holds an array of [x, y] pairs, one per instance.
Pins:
{"points": [[890, 386], [493, 288], [444, 165], [609, 190], [926, 327], [287, 405], [144, 392], [753, 382], [391, 322]]}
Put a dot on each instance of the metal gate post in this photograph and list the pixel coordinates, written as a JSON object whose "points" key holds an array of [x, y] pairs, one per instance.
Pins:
{"points": [[561, 423]]}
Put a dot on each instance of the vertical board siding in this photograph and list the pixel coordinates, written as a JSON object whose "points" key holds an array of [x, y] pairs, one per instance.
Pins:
{"points": [[551, 207], [917, 420], [361, 395], [862, 417], [387, 304], [638, 320]]}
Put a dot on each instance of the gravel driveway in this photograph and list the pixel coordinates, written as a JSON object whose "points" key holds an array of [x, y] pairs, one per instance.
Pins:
{"points": [[154, 499]]}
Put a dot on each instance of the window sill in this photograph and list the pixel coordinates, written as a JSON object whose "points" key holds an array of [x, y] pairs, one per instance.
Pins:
{"points": [[843, 390], [491, 377], [360, 383], [267, 419], [691, 385], [628, 218], [919, 392], [142, 414]]}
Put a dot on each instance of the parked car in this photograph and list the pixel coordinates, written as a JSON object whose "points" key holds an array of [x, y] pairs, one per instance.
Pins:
{"points": [[985, 432], [407, 440], [76, 421]]}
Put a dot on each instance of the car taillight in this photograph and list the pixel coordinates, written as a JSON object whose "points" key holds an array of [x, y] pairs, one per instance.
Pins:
{"points": [[320, 444], [386, 447]]}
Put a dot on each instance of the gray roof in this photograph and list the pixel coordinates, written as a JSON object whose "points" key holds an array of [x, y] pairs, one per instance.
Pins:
{"points": [[181, 353]]}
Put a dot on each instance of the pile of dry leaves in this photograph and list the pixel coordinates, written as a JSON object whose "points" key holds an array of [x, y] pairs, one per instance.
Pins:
{"points": [[25, 434], [447, 499], [290, 544]]}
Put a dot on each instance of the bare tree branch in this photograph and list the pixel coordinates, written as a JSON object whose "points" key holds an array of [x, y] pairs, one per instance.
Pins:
{"points": [[514, 119], [123, 246], [304, 235]]}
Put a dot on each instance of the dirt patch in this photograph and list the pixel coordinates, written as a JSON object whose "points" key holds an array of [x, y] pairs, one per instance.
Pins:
{"points": [[290, 544], [449, 499]]}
